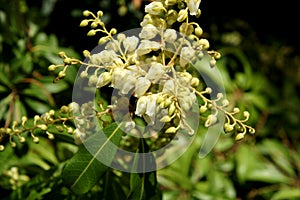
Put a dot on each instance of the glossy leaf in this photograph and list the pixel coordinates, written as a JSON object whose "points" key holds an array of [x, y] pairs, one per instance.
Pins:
{"points": [[84, 170], [143, 185]]}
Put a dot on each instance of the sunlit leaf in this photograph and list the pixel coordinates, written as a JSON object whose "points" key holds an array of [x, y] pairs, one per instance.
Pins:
{"points": [[84, 170]]}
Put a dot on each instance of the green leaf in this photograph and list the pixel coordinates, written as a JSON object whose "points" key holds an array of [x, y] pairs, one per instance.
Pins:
{"points": [[84, 170], [143, 185], [37, 106], [252, 166], [287, 193]]}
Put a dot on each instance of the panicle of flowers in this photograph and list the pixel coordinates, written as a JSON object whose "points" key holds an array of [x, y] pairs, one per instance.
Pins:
{"points": [[159, 56], [154, 67]]}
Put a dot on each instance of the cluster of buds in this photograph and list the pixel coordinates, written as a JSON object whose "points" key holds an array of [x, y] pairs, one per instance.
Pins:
{"points": [[49, 123], [153, 68]]}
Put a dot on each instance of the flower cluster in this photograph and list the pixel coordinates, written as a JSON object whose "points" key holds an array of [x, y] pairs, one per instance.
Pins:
{"points": [[154, 67]]}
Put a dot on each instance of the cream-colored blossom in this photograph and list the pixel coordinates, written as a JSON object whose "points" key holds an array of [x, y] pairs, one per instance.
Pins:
{"points": [[170, 35], [154, 8], [141, 86], [193, 6], [148, 32], [130, 43]]}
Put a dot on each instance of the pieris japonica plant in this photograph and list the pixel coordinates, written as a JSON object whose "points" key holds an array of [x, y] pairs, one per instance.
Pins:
{"points": [[137, 94]]}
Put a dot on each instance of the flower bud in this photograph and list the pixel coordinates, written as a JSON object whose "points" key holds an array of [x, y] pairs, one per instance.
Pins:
{"points": [[83, 74], [236, 110], [182, 15], [170, 2], [251, 130], [99, 13], [86, 13], [195, 82], [62, 54], [172, 109], [52, 67], [42, 126], [203, 109], [113, 31], [94, 24], [154, 8], [208, 90], [166, 119], [211, 119], [84, 23], [22, 139], [171, 129], [198, 31], [91, 32], [239, 136], [225, 102], [61, 74], [36, 139], [2, 148], [204, 43], [228, 127], [246, 114], [104, 79]]}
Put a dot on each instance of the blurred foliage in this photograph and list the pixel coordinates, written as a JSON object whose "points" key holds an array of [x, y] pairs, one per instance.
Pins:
{"points": [[262, 76]]}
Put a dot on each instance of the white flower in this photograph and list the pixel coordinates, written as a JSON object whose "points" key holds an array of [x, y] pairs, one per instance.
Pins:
{"points": [[146, 107], [147, 46], [154, 8], [150, 114], [141, 86], [112, 45], [186, 55], [211, 120], [130, 43], [169, 87], [148, 32], [193, 6], [105, 57], [141, 106], [103, 79], [156, 71], [170, 35], [123, 79]]}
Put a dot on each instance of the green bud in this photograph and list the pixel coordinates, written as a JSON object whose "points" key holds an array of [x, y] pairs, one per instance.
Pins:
{"points": [[36, 140], [103, 40], [228, 127], [172, 109], [203, 109], [99, 13], [42, 126], [91, 32], [86, 53], [22, 139], [86, 13], [182, 15], [171, 129], [198, 31], [94, 24], [251, 130], [113, 31], [84, 23], [166, 119], [61, 74], [239, 136], [204, 43], [52, 67], [62, 54], [195, 82]]}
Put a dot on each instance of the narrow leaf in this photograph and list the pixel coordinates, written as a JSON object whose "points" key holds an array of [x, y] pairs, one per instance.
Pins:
{"points": [[143, 185], [84, 169]]}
